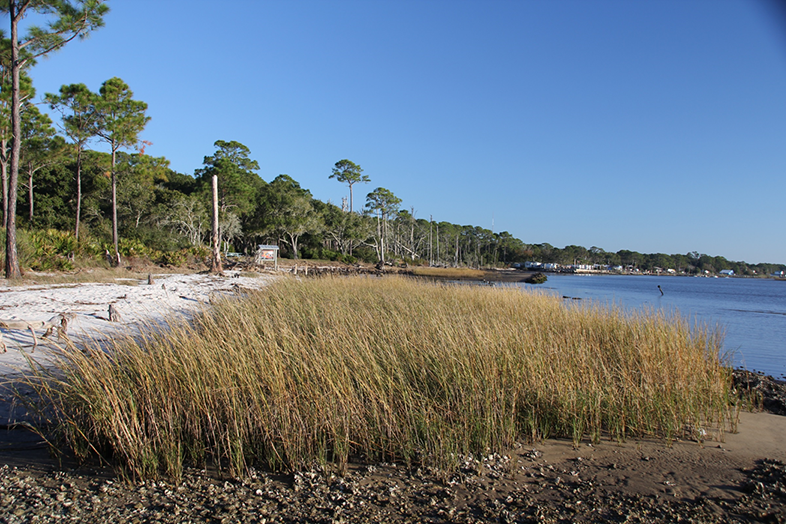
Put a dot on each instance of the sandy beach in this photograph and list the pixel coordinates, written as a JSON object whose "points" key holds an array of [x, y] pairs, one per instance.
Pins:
{"points": [[739, 477]]}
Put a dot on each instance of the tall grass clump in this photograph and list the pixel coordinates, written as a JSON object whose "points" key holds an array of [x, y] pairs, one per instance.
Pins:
{"points": [[369, 368]]}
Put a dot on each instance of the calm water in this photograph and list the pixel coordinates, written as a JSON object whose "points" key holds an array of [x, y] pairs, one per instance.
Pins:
{"points": [[752, 311]]}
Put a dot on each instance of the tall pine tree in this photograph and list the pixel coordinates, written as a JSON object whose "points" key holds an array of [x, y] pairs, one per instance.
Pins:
{"points": [[67, 21], [119, 121], [76, 103]]}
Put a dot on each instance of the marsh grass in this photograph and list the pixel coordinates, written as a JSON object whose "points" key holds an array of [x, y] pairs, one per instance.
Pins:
{"points": [[368, 368], [448, 272]]}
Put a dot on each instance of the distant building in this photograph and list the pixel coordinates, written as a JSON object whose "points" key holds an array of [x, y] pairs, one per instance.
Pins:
{"points": [[727, 272]]}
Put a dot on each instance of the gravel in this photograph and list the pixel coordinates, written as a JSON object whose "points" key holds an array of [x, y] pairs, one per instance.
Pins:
{"points": [[482, 491]]}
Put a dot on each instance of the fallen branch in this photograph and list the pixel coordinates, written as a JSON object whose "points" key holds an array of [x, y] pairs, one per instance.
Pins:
{"points": [[59, 322]]}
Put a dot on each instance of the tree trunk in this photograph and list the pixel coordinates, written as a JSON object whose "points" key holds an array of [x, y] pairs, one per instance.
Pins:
{"points": [[30, 193], [11, 257], [78, 190], [430, 244], [3, 149], [412, 241], [216, 267], [114, 206], [437, 243], [293, 242], [377, 243], [382, 240]]}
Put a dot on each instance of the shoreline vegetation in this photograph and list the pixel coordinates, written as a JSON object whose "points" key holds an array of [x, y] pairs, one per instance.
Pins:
{"points": [[334, 370]]}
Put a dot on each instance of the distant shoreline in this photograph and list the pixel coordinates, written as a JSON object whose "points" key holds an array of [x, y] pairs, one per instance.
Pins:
{"points": [[523, 276]]}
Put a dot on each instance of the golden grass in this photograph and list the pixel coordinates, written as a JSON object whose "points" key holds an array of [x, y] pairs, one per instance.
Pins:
{"points": [[369, 368], [448, 272]]}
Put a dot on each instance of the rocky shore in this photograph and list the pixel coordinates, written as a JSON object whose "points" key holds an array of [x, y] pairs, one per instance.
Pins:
{"points": [[523, 487]]}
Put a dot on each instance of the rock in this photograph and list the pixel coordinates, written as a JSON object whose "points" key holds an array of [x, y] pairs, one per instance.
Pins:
{"points": [[763, 391]]}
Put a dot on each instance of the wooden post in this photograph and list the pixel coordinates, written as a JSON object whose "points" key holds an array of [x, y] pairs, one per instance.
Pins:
{"points": [[216, 267]]}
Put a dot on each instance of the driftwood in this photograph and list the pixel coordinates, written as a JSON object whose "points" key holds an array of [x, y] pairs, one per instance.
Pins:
{"points": [[114, 315], [59, 322], [317, 271], [62, 329]]}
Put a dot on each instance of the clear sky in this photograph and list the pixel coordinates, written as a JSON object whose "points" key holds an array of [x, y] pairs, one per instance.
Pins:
{"points": [[655, 126]]}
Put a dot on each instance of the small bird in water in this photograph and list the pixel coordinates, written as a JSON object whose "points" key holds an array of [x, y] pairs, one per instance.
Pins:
{"points": [[659, 289]]}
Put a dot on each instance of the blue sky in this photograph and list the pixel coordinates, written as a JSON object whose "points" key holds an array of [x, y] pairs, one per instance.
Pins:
{"points": [[654, 126]]}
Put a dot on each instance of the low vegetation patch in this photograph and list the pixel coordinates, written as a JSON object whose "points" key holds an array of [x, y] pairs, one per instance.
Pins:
{"points": [[448, 272], [365, 368]]}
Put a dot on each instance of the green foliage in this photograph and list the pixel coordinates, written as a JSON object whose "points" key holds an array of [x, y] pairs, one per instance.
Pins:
{"points": [[201, 252], [180, 183], [51, 242], [345, 231], [324, 254], [119, 118], [131, 247], [76, 103], [238, 184], [383, 201], [286, 210], [53, 198], [365, 254], [71, 20], [52, 249], [174, 258], [350, 173]]}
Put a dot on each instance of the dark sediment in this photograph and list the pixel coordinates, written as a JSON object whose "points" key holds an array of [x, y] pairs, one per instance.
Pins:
{"points": [[485, 492], [763, 391]]}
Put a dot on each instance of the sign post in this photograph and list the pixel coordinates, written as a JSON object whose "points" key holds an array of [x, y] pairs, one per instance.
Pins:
{"points": [[266, 253]]}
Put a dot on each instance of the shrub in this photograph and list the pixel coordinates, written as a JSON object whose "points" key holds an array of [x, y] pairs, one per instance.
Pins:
{"points": [[173, 258], [131, 247], [328, 254]]}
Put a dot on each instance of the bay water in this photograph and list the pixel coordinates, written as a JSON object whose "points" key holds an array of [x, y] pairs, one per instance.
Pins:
{"points": [[751, 312]]}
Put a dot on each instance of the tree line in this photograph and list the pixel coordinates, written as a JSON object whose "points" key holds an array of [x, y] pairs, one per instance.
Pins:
{"points": [[128, 203]]}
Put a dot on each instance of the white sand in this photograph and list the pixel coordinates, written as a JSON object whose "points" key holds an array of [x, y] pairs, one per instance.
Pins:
{"points": [[136, 301]]}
